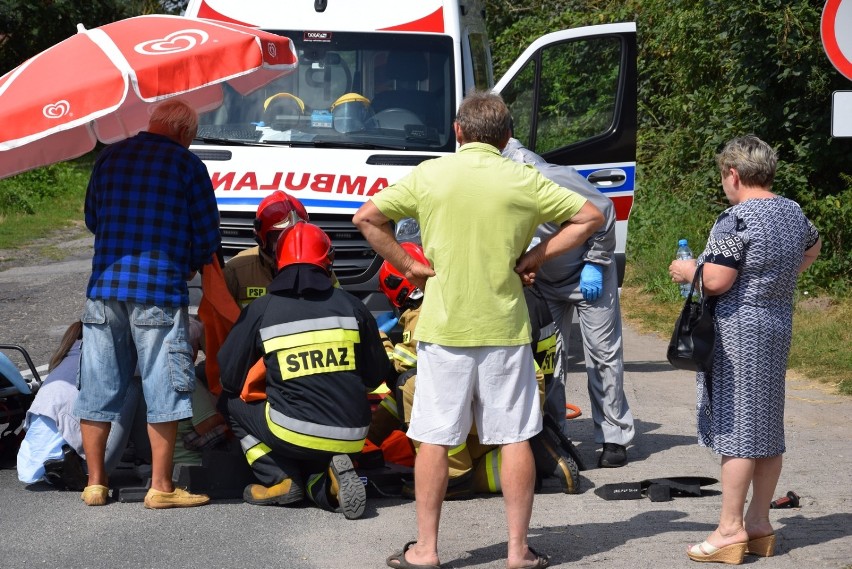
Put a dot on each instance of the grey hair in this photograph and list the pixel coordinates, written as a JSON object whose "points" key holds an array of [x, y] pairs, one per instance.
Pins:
{"points": [[176, 115], [753, 159], [484, 117]]}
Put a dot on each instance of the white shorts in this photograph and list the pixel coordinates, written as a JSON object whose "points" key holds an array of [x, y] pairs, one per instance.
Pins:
{"points": [[495, 385]]}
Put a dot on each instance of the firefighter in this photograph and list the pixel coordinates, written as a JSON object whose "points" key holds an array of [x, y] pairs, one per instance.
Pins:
{"points": [[322, 352], [473, 467], [248, 273]]}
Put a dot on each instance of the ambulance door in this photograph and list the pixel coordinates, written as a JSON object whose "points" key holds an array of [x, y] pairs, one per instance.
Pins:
{"points": [[572, 95]]}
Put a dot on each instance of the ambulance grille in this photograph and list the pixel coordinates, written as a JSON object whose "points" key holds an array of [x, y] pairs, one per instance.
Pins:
{"points": [[354, 261]]}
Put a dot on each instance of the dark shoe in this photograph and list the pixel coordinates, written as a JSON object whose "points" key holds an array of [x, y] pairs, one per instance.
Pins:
{"points": [[613, 456], [285, 492], [346, 487], [66, 472], [552, 461]]}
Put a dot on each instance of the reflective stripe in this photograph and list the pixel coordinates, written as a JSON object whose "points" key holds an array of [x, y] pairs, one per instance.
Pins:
{"points": [[314, 324], [492, 470], [546, 344], [389, 405], [405, 356], [455, 450], [284, 342], [315, 436], [253, 449]]}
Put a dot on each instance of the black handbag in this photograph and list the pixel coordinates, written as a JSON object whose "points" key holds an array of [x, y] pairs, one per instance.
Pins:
{"points": [[694, 336]]}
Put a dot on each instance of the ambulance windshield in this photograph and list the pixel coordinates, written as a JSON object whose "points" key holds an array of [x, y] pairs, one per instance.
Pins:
{"points": [[383, 89]]}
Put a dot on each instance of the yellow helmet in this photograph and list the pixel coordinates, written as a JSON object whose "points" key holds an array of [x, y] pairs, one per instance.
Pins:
{"points": [[283, 97], [349, 112]]}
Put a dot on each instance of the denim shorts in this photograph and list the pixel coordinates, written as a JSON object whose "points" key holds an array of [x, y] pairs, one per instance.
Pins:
{"points": [[120, 338]]}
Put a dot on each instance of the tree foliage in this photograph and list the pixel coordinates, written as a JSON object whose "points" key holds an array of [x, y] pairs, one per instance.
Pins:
{"points": [[710, 71], [28, 27]]}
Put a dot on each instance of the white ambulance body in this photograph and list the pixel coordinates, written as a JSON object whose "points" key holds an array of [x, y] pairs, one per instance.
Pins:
{"points": [[375, 94]]}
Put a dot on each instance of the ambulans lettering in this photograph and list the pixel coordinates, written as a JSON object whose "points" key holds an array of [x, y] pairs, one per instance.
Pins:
{"points": [[297, 181]]}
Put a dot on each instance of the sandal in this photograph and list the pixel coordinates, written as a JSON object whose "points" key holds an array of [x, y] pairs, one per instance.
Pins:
{"points": [[398, 561], [762, 546], [95, 495], [540, 562], [707, 552]]}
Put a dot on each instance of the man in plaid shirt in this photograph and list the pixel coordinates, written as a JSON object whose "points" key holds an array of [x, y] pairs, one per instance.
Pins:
{"points": [[151, 207]]}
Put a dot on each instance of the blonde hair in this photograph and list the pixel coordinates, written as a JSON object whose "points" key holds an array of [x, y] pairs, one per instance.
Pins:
{"points": [[174, 115], [754, 160]]}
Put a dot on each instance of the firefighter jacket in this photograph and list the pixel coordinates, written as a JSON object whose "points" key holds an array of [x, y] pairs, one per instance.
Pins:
{"points": [[543, 331], [322, 352], [405, 351]]}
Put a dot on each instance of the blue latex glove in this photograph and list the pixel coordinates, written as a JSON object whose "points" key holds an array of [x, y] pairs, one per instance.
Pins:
{"points": [[591, 281]]}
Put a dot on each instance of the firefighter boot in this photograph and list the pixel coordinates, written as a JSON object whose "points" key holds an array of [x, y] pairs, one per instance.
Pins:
{"points": [[346, 488], [552, 460], [285, 492]]}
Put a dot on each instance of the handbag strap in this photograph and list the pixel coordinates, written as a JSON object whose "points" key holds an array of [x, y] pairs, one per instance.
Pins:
{"points": [[697, 278]]}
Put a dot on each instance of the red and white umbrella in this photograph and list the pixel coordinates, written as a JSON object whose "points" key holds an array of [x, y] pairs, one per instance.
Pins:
{"points": [[100, 84]]}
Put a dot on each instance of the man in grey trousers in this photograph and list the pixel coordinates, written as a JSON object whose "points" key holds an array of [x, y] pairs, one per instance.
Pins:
{"points": [[586, 278]]}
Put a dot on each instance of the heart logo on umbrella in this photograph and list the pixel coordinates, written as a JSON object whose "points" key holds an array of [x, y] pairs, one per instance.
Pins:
{"points": [[56, 110], [181, 40]]}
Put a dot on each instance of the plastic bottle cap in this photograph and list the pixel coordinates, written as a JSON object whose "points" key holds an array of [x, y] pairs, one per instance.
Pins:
{"points": [[682, 242]]}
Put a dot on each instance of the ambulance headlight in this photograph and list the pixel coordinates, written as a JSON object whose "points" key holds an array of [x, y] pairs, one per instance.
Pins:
{"points": [[408, 230]]}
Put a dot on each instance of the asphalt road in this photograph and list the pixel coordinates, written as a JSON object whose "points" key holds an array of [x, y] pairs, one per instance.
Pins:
{"points": [[42, 527]]}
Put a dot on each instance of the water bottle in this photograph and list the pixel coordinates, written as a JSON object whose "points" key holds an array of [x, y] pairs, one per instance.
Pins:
{"points": [[684, 252]]}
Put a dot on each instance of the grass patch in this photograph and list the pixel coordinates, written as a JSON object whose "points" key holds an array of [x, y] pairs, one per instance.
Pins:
{"points": [[821, 332], [821, 340], [42, 201]]}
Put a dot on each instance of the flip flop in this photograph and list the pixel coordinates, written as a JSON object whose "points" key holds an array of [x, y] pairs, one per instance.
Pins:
{"points": [[541, 561], [398, 561]]}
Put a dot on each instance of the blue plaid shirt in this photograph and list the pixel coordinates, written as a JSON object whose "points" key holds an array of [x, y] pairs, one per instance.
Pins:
{"points": [[151, 207]]}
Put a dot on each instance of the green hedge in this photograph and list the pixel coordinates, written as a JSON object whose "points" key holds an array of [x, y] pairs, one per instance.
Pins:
{"points": [[710, 71]]}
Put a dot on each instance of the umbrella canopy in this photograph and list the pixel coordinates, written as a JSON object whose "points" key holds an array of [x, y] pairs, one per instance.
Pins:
{"points": [[101, 83]]}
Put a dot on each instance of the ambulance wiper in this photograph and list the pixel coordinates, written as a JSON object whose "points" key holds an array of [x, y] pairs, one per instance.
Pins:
{"points": [[226, 141], [339, 144]]}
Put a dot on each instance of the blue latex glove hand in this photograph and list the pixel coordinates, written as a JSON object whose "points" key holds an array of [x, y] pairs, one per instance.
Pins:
{"points": [[591, 281]]}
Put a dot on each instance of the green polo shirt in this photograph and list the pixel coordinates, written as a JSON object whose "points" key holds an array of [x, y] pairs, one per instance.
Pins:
{"points": [[477, 213]]}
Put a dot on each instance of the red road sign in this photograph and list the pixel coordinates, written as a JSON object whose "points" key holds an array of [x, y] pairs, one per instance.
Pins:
{"points": [[836, 16]]}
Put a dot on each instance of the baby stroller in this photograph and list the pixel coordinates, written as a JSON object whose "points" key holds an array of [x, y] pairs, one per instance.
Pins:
{"points": [[16, 396]]}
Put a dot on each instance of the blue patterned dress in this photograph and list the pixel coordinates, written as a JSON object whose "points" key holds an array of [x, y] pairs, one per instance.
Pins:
{"points": [[764, 240]]}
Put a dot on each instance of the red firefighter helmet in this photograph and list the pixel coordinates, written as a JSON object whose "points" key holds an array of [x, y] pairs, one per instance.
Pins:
{"points": [[277, 212], [305, 243], [394, 285]]}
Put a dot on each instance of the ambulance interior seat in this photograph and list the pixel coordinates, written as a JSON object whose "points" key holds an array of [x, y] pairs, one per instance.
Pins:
{"points": [[406, 69]]}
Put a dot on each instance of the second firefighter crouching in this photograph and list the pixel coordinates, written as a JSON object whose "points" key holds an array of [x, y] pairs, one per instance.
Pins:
{"points": [[323, 353], [473, 467]]}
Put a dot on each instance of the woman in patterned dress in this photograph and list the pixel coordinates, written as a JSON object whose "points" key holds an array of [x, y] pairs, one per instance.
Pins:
{"points": [[755, 251]]}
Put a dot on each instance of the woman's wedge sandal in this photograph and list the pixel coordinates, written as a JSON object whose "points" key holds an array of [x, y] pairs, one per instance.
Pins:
{"points": [[762, 546], [706, 552]]}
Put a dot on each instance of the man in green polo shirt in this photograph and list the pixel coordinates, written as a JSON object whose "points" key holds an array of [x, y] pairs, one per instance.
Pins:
{"points": [[477, 213]]}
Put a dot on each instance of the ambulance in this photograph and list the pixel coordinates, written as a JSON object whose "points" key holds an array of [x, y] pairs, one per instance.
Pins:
{"points": [[375, 94]]}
